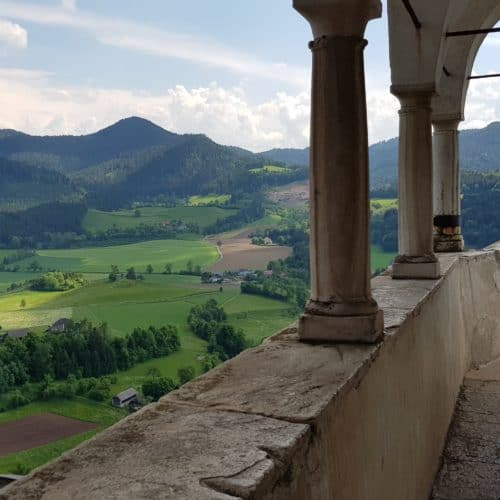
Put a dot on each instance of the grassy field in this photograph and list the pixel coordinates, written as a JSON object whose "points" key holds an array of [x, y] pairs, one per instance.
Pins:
{"points": [[380, 206], [158, 300], [7, 278], [99, 259], [80, 408], [200, 200], [270, 169], [97, 220], [381, 259]]}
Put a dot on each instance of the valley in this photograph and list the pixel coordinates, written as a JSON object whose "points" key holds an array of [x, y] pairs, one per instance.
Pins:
{"points": [[148, 226]]}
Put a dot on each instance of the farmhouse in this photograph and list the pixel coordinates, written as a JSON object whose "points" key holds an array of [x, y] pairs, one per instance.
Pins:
{"points": [[126, 398], [216, 278], [15, 334], [60, 325], [246, 273], [268, 241]]}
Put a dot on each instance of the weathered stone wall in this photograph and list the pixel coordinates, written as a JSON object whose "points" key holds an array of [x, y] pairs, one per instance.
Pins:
{"points": [[295, 421]]}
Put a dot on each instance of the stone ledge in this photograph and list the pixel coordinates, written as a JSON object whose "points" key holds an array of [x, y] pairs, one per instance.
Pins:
{"points": [[174, 451], [292, 420]]}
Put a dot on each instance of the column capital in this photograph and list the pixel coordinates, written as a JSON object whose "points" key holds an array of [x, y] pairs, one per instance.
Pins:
{"points": [[445, 125], [413, 94], [326, 41], [338, 17]]}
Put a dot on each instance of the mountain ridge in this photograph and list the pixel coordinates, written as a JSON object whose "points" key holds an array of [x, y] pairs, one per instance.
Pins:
{"points": [[479, 150], [137, 160]]}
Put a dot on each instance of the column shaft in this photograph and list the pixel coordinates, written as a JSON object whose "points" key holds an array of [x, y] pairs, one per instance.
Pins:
{"points": [[447, 231], [416, 258], [341, 305]]}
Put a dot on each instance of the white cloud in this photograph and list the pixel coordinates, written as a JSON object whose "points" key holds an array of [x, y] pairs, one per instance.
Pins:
{"points": [[482, 104], [13, 35], [68, 4], [30, 104], [151, 40]]}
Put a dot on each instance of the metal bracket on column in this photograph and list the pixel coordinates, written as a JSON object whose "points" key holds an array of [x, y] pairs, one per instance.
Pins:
{"points": [[446, 220], [477, 77], [413, 15], [472, 32]]}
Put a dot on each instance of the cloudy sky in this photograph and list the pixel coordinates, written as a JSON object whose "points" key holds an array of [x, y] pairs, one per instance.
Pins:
{"points": [[235, 70]]}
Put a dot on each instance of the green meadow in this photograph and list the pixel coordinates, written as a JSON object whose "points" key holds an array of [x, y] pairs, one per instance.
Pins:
{"points": [[124, 305], [200, 200], [139, 255], [380, 259], [270, 169], [97, 220], [158, 300], [380, 206], [6, 279]]}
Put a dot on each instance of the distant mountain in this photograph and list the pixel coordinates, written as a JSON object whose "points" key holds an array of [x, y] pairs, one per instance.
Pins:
{"points": [[479, 150], [135, 160], [196, 165], [289, 156], [131, 160], [72, 153]]}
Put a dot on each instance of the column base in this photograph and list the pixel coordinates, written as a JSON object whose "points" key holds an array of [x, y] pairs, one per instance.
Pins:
{"points": [[416, 270], [448, 243], [366, 329]]}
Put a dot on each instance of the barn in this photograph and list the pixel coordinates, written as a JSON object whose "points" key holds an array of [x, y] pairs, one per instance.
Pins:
{"points": [[126, 398]]}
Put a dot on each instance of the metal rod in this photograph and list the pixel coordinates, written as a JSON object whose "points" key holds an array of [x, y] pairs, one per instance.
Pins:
{"points": [[413, 16], [473, 32], [477, 77]]}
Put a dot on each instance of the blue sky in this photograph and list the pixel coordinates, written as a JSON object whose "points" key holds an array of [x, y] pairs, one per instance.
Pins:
{"points": [[238, 71]]}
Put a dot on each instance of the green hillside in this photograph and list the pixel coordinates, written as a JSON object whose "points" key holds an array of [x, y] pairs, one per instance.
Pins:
{"points": [[99, 259], [97, 220]]}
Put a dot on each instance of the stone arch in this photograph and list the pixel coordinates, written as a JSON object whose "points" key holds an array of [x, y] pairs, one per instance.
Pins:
{"points": [[459, 56]]}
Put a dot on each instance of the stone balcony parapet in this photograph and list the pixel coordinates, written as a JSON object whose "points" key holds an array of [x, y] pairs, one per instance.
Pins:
{"points": [[294, 420]]}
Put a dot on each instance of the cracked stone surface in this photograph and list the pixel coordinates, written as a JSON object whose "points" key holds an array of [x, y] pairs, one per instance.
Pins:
{"points": [[283, 378], [471, 459], [205, 455]]}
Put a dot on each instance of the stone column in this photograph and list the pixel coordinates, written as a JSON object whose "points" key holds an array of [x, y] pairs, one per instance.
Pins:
{"points": [[341, 307], [447, 231], [416, 257]]}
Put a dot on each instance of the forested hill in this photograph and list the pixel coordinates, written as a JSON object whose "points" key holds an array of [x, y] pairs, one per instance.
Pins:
{"points": [[71, 153], [132, 160], [136, 160], [197, 165], [24, 185], [479, 151]]}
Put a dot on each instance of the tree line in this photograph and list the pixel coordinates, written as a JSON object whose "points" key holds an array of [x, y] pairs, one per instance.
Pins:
{"points": [[56, 281], [209, 322], [82, 350]]}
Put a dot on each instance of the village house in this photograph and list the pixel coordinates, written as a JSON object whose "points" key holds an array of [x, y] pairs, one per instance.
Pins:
{"points": [[126, 398], [15, 334], [59, 326]]}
